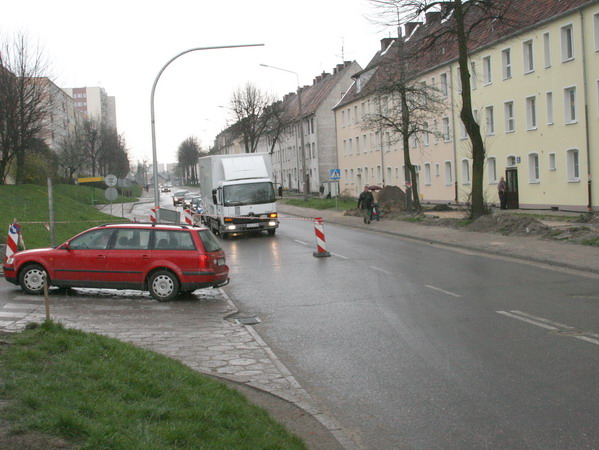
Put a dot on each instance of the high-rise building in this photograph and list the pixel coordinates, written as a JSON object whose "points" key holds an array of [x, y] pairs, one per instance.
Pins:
{"points": [[94, 103]]}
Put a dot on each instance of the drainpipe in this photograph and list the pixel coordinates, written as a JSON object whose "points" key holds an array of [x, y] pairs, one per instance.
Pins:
{"points": [[586, 115]]}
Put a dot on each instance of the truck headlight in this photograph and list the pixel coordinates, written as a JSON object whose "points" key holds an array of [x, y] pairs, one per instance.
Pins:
{"points": [[272, 223], [230, 227]]}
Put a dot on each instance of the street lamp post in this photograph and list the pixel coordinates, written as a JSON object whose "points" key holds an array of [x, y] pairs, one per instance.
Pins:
{"points": [[154, 157], [301, 128]]}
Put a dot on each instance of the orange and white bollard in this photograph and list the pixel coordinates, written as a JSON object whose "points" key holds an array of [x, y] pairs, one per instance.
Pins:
{"points": [[12, 243], [320, 242]]}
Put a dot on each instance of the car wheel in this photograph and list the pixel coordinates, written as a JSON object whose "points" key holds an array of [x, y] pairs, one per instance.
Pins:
{"points": [[163, 285], [31, 279], [271, 232]]}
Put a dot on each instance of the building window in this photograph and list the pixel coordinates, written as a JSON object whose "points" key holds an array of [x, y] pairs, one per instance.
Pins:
{"points": [[357, 145], [426, 137], [465, 171], [492, 170], [364, 144], [490, 120], [355, 113], [549, 98], [444, 85], [510, 123], [344, 147], [529, 61], [487, 76], [570, 105], [547, 50], [506, 63], [533, 168], [567, 43], [448, 174], [446, 137], [427, 174], [350, 147], [573, 165], [437, 170], [552, 165], [531, 113], [343, 118], [596, 30], [463, 132], [474, 78]]}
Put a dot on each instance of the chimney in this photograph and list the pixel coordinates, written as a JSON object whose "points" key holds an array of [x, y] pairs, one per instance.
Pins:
{"points": [[385, 43], [433, 17], [410, 27]]}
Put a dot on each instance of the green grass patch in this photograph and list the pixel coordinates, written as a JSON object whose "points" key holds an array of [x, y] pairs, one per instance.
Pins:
{"points": [[594, 242], [73, 211], [340, 204], [98, 392]]}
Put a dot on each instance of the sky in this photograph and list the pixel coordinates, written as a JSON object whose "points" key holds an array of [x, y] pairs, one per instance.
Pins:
{"points": [[121, 46]]}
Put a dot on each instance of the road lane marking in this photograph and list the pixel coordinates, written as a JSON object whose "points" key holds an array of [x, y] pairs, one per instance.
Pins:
{"points": [[381, 270], [453, 294], [551, 325], [300, 242], [22, 305], [339, 256]]}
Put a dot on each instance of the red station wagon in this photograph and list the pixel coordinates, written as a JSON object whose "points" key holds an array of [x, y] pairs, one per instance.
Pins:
{"points": [[163, 259]]}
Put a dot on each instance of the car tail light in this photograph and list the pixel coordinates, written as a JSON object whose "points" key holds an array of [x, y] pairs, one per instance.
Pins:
{"points": [[204, 261]]}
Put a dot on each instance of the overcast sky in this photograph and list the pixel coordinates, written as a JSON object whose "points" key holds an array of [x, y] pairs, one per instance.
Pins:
{"points": [[122, 45]]}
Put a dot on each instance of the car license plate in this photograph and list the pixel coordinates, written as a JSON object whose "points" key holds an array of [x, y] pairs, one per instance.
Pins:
{"points": [[220, 262], [253, 225]]}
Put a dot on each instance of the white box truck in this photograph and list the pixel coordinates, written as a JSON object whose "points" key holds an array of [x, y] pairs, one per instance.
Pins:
{"points": [[238, 193]]}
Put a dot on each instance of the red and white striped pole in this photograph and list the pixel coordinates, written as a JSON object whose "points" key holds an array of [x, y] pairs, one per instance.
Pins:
{"points": [[320, 242], [153, 214], [12, 243], [187, 216]]}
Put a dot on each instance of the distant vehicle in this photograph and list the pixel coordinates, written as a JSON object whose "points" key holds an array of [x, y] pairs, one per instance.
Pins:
{"points": [[178, 197], [165, 188], [187, 200], [238, 194], [162, 259], [196, 204]]}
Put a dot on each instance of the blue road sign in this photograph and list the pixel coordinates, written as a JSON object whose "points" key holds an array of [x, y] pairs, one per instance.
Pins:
{"points": [[335, 174]]}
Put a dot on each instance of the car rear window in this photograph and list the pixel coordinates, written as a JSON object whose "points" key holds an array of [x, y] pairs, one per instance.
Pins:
{"points": [[132, 239], [211, 244], [173, 240]]}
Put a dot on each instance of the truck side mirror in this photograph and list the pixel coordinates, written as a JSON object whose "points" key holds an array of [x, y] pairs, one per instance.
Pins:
{"points": [[214, 199]]}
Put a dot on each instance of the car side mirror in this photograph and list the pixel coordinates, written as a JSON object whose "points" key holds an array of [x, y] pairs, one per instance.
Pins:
{"points": [[214, 199], [66, 246]]}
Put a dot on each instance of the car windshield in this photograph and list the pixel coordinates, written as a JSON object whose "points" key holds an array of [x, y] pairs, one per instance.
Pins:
{"points": [[248, 194], [180, 193]]}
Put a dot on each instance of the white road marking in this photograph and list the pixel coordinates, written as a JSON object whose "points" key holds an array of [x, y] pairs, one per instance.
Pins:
{"points": [[22, 305], [301, 242], [381, 270], [550, 325], [453, 294], [5, 314], [339, 256]]}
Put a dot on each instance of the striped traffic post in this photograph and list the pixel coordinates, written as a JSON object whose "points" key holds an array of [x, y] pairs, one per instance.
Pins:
{"points": [[153, 214], [320, 242], [187, 216], [12, 243]]}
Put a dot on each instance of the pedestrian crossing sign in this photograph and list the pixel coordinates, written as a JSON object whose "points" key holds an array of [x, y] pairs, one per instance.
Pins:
{"points": [[335, 174]]}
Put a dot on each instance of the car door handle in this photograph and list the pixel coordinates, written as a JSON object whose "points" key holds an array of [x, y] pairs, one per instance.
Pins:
{"points": [[145, 256], [101, 257]]}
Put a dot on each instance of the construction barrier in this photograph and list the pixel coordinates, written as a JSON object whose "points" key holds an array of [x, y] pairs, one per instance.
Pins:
{"points": [[188, 216], [153, 214], [12, 243], [320, 241]]}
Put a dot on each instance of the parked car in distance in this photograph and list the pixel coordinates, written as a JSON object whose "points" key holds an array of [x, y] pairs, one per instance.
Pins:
{"points": [[163, 259], [196, 204], [178, 197]]}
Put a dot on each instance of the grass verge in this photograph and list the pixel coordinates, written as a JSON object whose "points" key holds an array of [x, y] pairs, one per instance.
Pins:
{"points": [[73, 211], [97, 392], [340, 204]]}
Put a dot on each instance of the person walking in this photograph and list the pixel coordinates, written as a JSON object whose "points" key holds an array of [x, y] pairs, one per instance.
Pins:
{"points": [[502, 191], [321, 190], [365, 202], [375, 204]]}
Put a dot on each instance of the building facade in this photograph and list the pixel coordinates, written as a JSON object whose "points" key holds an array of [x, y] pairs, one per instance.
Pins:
{"points": [[95, 103]]}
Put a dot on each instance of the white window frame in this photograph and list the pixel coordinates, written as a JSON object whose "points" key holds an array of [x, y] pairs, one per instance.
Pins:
{"points": [[465, 171], [489, 120], [552, 166], [549, 105], [446, 130], [510, 120], [426, 135], [492, 169], [428, 179], [437, 170], [444, 85], [474, 77], [596, 30], [573, 165], [531, 113], [534, 168], [506, 63], [570, 105], [487, 71], [510, 161], [567, 38], [448, 174], [529, 56], [547, 50]]}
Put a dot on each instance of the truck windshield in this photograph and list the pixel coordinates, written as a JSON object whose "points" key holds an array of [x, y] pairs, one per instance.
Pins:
{"points": [[248, 194]]}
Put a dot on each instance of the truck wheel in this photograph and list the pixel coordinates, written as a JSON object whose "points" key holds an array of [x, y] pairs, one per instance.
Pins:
{"points": [[271, 232], [225, 235], [31, 279], [163, 285]]}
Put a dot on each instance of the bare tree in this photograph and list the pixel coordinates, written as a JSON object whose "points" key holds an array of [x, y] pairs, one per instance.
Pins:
{"points": [[188, 154], [71, 157], [403, 106], [250, 107], [113, 157], [24, 103], [456, 33], [92, 137], [278, 123]]}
